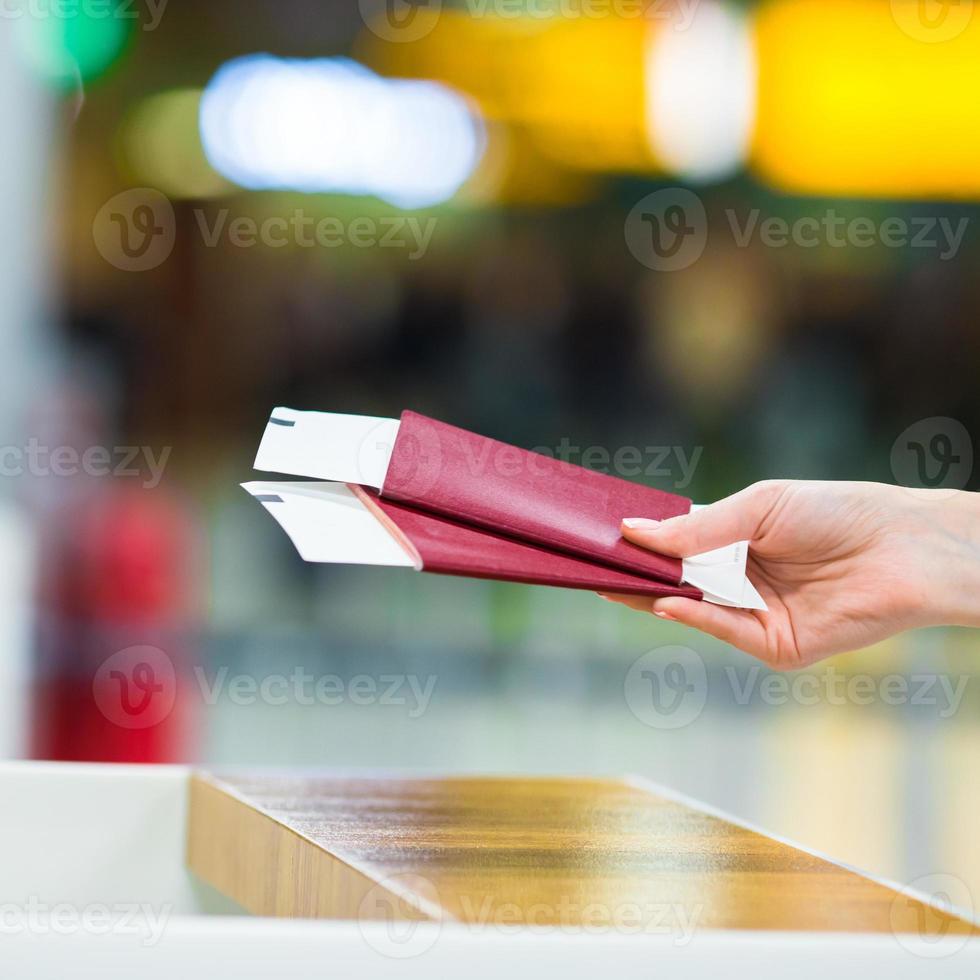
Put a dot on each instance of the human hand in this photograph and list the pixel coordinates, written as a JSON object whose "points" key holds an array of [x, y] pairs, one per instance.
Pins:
{"points": [[840, 565]]}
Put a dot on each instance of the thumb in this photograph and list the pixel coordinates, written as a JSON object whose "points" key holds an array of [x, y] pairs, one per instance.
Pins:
{"points": [[736, 518]]}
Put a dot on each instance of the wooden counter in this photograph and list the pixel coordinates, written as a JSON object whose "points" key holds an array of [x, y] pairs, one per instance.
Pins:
{"points": [[586, 853]]}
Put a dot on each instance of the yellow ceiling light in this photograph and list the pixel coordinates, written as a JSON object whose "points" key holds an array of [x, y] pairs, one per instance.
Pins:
{"points": [[574, 85], [868, 98], [579, 87], [466, 52]]}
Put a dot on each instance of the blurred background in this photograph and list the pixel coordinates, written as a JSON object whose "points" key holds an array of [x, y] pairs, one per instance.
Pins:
{"points": [[687, 243]]}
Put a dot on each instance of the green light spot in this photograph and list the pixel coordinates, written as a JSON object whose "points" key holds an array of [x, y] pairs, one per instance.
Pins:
{"points": [[81, 43]]}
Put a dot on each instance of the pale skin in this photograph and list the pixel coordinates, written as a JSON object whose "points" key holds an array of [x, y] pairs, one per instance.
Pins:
{"points": [[840, 565]]}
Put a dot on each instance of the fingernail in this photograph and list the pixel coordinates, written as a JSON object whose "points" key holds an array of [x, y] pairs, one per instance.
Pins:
{"points": [[640, 523], [663, 615]]}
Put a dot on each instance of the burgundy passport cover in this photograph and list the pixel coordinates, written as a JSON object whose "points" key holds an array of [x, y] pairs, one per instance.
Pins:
{"points": [[527, 496], [446, 547]]}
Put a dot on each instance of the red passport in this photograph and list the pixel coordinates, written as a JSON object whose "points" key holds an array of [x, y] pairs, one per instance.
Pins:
{"points": [[447, 547], [526, 496]]}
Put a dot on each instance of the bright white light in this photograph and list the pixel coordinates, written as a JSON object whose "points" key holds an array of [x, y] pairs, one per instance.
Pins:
{"points": [[700, 93], [332, 125]]}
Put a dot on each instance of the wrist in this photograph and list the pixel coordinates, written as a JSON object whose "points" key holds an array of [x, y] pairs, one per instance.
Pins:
{"points": [[949, 522]]}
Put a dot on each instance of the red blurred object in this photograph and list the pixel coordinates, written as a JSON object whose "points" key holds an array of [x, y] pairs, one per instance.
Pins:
{"points": [[117, 609]]}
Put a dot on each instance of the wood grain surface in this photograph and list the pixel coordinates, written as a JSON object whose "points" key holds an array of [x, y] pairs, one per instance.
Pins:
{"points": [[583, 853]]}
